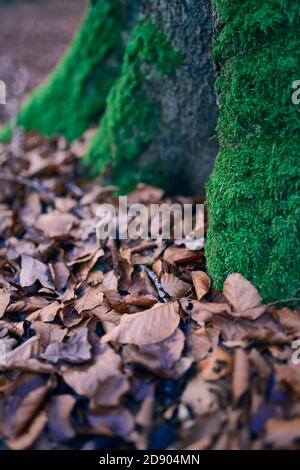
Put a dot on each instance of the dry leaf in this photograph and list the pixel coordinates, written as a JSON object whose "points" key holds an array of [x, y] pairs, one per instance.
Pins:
{"points": [[75, 350], [4, 301], [200, 396], [241, 294], [201, 283], [217, 365], [173, 286], [241, 374], [152, 326], [180, 255], [282, 433], [55, 224], [33, 270]]}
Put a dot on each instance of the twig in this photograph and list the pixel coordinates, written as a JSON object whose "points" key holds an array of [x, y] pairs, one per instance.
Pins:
{"points": [[30, 184], [163, 296], [285, 301]]}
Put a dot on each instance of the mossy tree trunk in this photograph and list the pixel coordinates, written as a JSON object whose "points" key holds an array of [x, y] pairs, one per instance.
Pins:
{"points": [[161, 113], [253, 195], [157, 97]]}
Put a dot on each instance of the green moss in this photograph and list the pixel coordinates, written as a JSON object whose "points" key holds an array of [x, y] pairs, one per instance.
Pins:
{"points": [[132, 116], [5, 133], [253, 194], [74, 95]]}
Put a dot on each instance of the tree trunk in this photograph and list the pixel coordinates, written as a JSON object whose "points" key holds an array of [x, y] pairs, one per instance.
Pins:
{"points": [[160, 115], [253, 196]]}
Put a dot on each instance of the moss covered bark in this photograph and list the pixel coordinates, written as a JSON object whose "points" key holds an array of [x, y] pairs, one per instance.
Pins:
{"points": [[253, 195], [160, 117], [132, 116], [74, 95]]}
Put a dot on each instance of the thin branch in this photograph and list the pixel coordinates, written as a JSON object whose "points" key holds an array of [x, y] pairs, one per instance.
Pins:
{"points": [[162, 294], [30, 184]]}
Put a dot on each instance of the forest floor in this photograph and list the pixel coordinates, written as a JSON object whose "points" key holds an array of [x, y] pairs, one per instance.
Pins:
{"points": [[127, 345]]}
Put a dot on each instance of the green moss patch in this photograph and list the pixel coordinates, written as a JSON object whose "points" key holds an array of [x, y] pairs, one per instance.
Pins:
{"points": [[253, 194], [132, 116]]}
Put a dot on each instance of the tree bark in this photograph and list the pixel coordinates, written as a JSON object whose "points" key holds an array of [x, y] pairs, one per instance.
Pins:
{"points": [[253, 195], [184, 146]]}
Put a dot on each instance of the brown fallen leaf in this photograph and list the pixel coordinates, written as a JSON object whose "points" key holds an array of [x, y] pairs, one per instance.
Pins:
{"points": [[143, 328], [200, 396], [33, 270], [289, 319], [48, 333], [282, 433], [158, 357], [199, 343], [60, 274], [201, 283], [22, 399], [147, 300], [217, 365], [203, 311], [115, 422], [26, 440], [241, 374], [181, 255], [46, 314], [241, 294], [92, 298], [289, 374], [89, 380], [55, 224], [173, 286], [25, 358], [75, 350], [116, 301], [59, 412], [4, 301]]}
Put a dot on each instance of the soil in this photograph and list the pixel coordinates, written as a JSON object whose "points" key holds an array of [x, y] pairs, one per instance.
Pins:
{"points": [[34, 35]]}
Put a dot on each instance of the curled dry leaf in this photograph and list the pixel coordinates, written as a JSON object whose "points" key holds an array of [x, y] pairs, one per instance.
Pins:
{"points": [[26, 440], [115, 422], [158, 357], [241, 294], [59, 412], [116, 301], [173, 286], [203, 311], [217, 365], [180, 255], [75, 350], [25, 358], [241, 374], [92, 298], [143, 328], [33, 270], [20, 403], [201, 283], [200, 396], [90, 380], [46, 314]]}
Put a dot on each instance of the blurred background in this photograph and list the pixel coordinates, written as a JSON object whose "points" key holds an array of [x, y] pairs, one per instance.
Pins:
{"points": [[33, 36]]}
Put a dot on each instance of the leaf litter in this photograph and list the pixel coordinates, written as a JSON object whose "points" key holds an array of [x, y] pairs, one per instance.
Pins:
{"points": [[113, 346]]}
